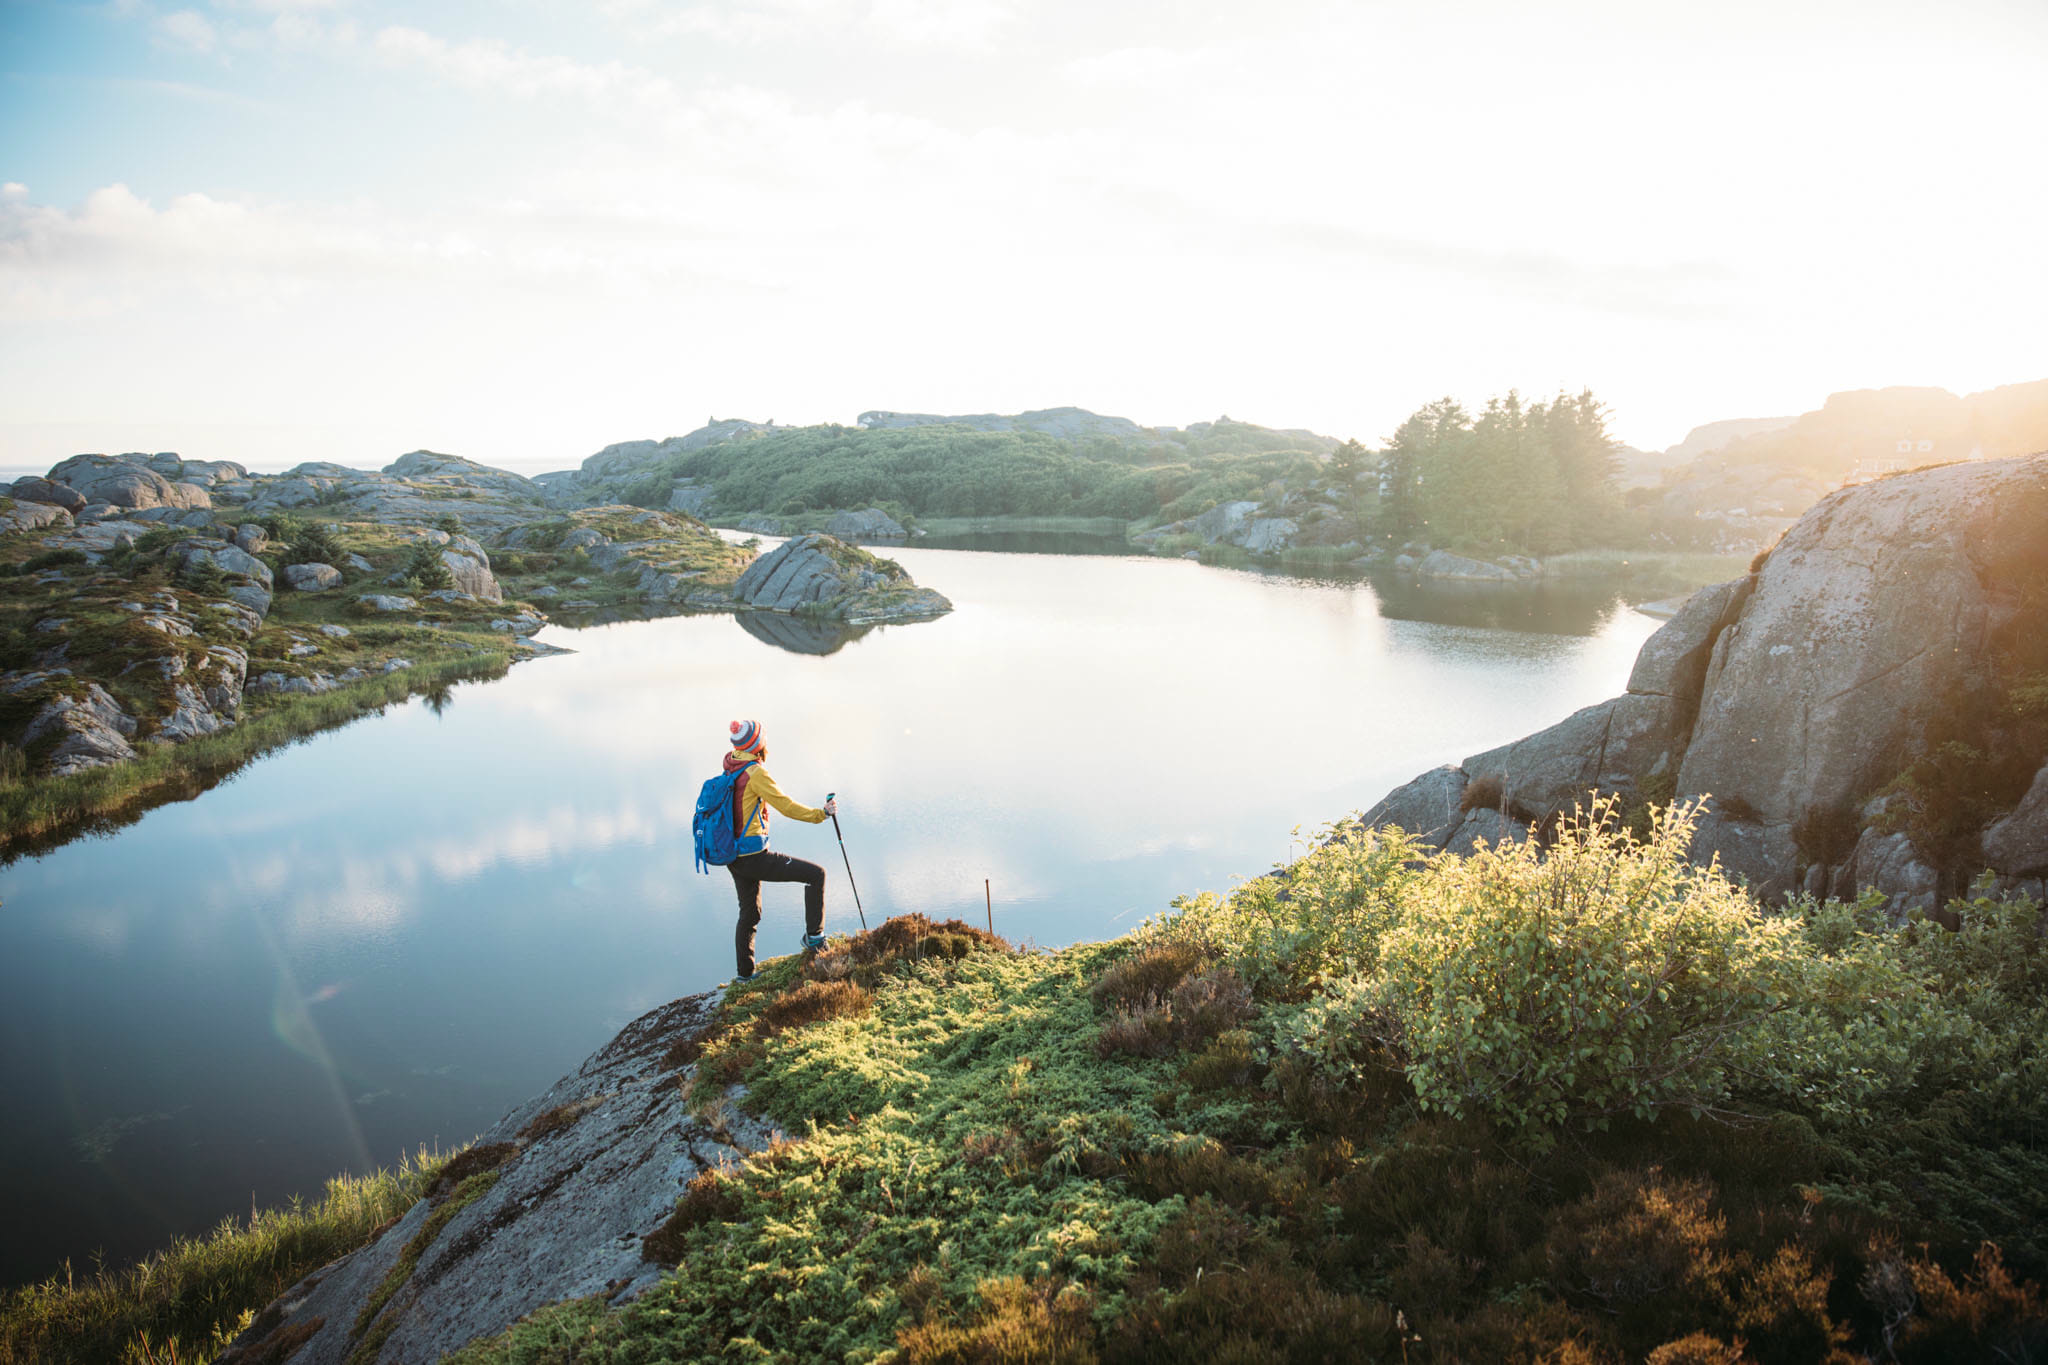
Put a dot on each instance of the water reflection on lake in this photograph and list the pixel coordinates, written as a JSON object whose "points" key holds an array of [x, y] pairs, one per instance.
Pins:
{"points": [[392, 933]]}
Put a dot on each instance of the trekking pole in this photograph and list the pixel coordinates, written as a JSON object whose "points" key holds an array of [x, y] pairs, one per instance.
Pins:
{"points": [[831, 796], [990, 897]]}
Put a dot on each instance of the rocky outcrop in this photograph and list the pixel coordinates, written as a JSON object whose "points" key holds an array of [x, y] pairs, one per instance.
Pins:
{"points": [[1223, 521], [249, 579], [873, 524], [83, 729], [2017, 845], [1787, 700], [555, 1203], [127, 481], [820, 576]]}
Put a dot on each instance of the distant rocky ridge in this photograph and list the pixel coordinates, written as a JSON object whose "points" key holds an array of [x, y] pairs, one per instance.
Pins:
{"points": [[1810, 705]]}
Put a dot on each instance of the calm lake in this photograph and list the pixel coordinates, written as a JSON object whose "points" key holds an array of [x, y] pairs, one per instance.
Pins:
{"points": [[390, 934]]}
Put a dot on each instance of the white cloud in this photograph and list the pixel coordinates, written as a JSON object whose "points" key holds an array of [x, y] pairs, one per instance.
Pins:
{"points": [[960, 25], [612, 87], [187, 29]]}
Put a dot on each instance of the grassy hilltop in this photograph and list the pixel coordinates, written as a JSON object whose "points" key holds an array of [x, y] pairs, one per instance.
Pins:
{"points": [[1595, 1107]]}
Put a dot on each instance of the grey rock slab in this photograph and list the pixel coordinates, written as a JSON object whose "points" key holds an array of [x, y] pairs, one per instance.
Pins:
{"points": [[1490, 827], [250, 537], [2017, 844], [1426, 805], [378, 601], [1762, 855], [565, 1217], [1551, 770], [1673, 662]]}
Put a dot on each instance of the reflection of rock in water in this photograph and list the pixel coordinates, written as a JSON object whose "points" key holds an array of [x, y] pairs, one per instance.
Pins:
{"points": [[799, 634]]}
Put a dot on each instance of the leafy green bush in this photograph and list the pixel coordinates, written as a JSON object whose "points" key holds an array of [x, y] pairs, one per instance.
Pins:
{"points": [[1604, 977]]}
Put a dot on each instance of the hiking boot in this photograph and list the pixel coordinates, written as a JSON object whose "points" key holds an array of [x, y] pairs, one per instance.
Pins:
{"points": [[813, 941], [741, 980]]}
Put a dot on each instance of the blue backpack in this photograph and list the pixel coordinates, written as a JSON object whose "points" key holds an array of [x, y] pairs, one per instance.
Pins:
{"points": [[716, 823]]}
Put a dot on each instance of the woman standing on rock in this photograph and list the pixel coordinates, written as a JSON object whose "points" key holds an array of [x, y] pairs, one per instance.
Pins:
{"points": [[753, 792]]}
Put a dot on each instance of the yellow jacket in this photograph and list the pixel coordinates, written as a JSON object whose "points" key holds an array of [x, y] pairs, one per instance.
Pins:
{"points": [[756, 791]]}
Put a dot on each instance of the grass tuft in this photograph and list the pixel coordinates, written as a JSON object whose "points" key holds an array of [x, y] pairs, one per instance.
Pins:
{"points": [[195, 1297]]}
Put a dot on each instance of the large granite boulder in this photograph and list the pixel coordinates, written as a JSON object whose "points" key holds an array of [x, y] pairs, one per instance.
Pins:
{"points": [[312, 577], [49, 491], [818, 575], [472, 573], [1787, 700], [1870, 620]]}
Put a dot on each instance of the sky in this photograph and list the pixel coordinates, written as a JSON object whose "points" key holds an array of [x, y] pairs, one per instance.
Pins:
{"points": [[278, 230]]}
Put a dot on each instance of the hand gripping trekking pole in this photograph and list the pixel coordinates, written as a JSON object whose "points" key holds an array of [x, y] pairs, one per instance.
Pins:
{"points": [[832, 796]]}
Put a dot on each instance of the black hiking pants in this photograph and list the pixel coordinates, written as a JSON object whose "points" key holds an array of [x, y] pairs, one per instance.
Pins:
{"points": [[769, 866]]}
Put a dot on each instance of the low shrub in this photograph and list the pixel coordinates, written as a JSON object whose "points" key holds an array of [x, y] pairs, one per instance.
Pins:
{"points": [[1013, 1322], [811, 1003], [710, 1197]]}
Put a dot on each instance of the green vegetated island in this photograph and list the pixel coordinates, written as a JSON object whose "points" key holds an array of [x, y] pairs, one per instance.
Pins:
{"points": [[162, 620], [1710, 1025]]}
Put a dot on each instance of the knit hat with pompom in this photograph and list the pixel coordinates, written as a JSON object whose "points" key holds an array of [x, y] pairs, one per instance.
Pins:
{"points": [[746, 736]]}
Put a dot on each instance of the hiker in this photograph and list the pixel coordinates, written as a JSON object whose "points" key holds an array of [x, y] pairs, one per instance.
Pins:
{"points": [[753, 792]]}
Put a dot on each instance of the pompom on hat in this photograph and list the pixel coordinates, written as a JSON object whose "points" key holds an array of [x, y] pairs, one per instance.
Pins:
{"points": [[746, 736]]}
